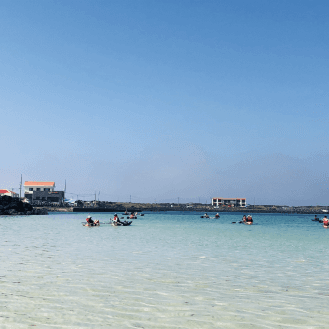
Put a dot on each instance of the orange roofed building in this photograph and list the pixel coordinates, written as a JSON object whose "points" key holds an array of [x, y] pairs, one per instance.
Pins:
{"points": [[230, 202], [42, 192], [29, 187]]}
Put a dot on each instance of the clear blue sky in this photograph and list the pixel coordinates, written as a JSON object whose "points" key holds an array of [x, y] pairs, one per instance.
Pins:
{"points": [[167, 99]]}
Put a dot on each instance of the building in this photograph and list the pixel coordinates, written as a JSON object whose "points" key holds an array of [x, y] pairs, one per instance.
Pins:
{"points": [[230, 202], [9, 193], [43, 192]]}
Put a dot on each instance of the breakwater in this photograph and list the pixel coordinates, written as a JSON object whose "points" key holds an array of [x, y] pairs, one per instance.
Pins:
{"points": [[202, 208]]}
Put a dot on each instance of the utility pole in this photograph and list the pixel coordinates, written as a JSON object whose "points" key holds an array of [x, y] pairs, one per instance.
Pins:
{"points": [[20, 188], [95, 200], [99, 192]]}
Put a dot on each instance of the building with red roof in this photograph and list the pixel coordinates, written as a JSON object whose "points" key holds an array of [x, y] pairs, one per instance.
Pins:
{"points": [[9, 193]]}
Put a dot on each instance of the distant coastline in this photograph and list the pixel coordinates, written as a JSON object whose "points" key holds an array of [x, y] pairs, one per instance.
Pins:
{"points": [[147, 207], [14, 206]]}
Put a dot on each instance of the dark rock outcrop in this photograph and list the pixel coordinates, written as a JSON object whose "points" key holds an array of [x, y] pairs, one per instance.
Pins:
{"points": [[14, 206]]}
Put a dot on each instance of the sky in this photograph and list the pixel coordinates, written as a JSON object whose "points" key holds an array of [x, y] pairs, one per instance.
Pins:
{"points": [[167, 101]]}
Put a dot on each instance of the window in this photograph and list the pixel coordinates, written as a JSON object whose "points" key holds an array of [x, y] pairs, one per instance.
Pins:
{"points": [[38, 188], [46, 189], [31, 189]]}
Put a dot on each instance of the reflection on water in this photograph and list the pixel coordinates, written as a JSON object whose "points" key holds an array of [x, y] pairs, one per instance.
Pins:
{"points": [[164, 271]]}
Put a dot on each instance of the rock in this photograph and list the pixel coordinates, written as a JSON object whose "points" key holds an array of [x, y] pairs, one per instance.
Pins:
{"points": [[14, 206], [40, 211]]}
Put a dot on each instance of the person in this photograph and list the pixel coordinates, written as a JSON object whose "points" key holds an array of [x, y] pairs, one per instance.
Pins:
{"points": [[205, 215], [316, 219], [217, 215], [244, 218], [249, 219], [132, 216], [325, 221], [116, 219], [90, 221]]}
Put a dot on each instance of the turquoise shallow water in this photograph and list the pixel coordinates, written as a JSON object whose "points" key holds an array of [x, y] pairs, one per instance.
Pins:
{"points": [[167, 270]]}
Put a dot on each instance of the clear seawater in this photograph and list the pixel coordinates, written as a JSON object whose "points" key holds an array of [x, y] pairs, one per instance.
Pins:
{"points": [[166, 270]]}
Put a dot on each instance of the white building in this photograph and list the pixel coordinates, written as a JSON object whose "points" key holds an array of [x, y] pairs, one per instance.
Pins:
{"points": [[29, 187], [230, 202]]}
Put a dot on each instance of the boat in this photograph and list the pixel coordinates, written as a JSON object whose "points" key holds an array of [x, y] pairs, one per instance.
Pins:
{"points": [[125, 223]]}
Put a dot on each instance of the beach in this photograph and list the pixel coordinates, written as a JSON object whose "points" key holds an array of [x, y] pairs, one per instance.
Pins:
{"points": [[166, 270]]}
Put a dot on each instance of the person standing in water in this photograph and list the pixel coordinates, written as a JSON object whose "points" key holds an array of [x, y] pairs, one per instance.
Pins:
{"points": [[116, 219], [89, 220]]}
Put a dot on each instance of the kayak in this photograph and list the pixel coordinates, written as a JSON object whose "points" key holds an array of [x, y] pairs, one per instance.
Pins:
{"points": [[204, 216], [131, 217], [125, 223], [91, 224]]}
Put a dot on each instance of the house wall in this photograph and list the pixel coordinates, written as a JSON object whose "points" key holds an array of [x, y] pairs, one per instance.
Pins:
{"points": [[30, 189], [46, 196], [237, 202]]}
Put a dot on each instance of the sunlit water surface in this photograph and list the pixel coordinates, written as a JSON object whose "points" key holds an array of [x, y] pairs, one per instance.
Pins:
{"points": [[166, 270]]}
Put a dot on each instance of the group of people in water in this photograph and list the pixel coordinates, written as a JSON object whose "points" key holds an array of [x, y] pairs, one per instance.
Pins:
{"points": [[115, 220], [324, 221], [247, 219], [207, 216]]}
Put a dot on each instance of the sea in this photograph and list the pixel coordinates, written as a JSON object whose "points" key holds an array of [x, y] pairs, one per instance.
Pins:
{"points": [[166, 270]]}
